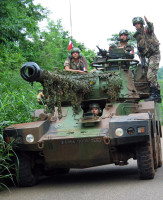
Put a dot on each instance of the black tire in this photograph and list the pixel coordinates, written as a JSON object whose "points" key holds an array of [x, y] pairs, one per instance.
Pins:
{"points": [[145, 161], [159, 151], [27, 175], [57, 171], [155, 154], [63, 170]]}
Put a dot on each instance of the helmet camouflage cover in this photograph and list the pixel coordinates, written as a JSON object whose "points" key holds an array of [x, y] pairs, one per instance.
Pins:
{"points": [[75, 50], [94, 105], [123, 31], [138, 20]]}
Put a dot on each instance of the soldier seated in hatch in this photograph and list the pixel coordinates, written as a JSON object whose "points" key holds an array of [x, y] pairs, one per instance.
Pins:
{"points": [[76, 62], [95, 109], [122, 43]]}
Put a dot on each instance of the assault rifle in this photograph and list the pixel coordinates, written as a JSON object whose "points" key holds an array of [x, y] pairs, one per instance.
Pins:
{"points": [[143, 59], [143, 63]]}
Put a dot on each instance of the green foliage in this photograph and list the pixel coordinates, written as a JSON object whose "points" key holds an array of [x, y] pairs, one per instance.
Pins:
{"points": [[19, 19], [17, 98], [161, 91], [7, 166], [52, 48], [17, 102], [160, 80], [160, 73], [10, 58]]}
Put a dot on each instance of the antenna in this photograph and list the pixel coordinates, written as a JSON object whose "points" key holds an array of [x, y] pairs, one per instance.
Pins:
{"points": [[70, 18]]}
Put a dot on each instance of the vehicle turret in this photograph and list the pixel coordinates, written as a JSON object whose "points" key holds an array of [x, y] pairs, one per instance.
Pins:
{"points": [[112, 81]]}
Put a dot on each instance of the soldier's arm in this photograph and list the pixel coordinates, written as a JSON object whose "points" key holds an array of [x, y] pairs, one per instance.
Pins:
{"points": [[67, 68], [129, 51], [85, 64], [67, 63], [150, 27]]}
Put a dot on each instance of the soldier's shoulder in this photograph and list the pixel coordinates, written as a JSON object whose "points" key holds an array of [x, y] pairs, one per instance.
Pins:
{"points": [[67, 61]]}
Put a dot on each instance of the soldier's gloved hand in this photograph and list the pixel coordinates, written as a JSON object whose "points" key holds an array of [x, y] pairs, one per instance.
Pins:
{"points": [[146, 19], [140, 49], [129, 55], [128, 48]]}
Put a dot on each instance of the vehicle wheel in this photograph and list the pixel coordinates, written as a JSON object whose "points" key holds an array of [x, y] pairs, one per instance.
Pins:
{"points": [[159, 151], [155, 154], [63, 170], [57, 171], [145, 161], [27, 175]]}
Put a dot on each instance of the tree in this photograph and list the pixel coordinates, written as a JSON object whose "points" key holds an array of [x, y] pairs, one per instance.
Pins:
{"points": [[160, 73], [52, 47], [18, 19]]}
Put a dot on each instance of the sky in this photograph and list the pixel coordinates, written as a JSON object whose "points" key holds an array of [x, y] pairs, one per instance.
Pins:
{"points": [[94, 21]]}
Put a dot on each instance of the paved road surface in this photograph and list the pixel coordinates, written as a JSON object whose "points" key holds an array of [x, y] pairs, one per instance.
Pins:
{"points": [[98, 183]]}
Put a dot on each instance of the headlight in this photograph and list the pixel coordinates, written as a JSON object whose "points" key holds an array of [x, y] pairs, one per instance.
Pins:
{"points": [[30, 138], [119, 132]]}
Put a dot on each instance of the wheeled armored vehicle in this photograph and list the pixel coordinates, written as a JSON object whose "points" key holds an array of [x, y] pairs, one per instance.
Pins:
{"points": [[67, 135]]}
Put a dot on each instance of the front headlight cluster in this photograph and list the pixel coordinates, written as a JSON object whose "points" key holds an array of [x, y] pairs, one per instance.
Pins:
{"points": [[119, 131], [30, 138]]}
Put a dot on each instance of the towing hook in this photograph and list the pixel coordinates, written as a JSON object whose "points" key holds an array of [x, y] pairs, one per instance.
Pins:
{"points": [[106, 140], [40, 145]]}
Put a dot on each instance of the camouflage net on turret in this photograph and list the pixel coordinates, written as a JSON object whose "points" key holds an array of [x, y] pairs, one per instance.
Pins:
{"points": [[114, 86], [72, 87]]}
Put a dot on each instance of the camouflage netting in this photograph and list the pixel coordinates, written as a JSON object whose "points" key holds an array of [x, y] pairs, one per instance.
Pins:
{"points": [[114, 86], [72, 87]]}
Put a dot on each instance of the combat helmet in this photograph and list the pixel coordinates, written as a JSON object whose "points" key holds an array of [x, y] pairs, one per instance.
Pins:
{"points": [[138, 20], [125, 32], [94, 105], [75, 50]]}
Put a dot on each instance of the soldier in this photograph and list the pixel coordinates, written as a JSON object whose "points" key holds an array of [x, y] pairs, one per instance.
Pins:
{"points": [[94, 108], [148, 47], [123, 43], [123, 38], [76, 62]]}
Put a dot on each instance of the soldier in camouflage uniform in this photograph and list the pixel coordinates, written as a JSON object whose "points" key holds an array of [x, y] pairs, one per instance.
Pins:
{"points": [[76, 62], [148, 47], [123, 43]]}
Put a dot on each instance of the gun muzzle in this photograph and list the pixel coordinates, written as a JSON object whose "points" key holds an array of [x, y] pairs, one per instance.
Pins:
{"points": [[30, 72]]}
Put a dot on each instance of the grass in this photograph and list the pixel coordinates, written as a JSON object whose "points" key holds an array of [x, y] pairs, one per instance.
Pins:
{"points": [[8, 168], [17, 103]]}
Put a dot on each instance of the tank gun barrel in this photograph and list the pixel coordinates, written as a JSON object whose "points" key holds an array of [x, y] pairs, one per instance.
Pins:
{"points": [[31, 72]]}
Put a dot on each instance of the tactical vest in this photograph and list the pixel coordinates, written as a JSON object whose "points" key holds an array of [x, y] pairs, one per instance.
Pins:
{"points": [[79, 65], [129, 50], [147, 43]]}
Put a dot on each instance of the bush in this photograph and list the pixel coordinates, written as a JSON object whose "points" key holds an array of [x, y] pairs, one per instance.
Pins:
{"points": [[17, 102], [8, 168]]}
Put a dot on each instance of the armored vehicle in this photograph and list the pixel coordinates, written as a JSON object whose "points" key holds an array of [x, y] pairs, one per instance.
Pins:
{"points": [[68, 134]]}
